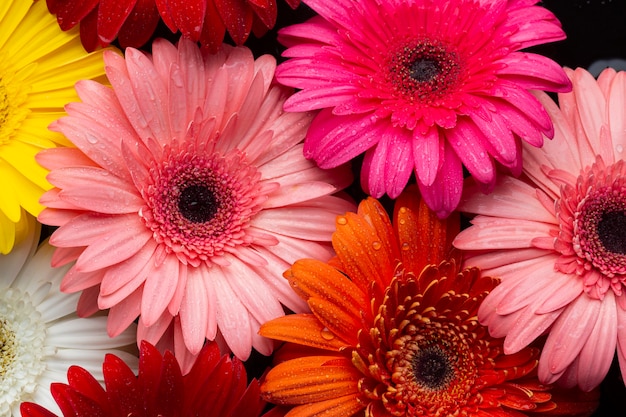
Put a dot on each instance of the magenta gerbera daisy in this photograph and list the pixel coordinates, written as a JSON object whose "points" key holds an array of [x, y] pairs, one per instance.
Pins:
{"points": [[558, 239], [187, 197], [424, 86]]}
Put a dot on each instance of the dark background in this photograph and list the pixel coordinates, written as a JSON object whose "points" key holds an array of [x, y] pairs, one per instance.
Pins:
{"points": [[596, 30]]}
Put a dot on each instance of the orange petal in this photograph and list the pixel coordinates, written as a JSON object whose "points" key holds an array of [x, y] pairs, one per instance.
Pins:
{"points": [[310, 379], [303, 329], [340, 322], [337, 407], [367, 253], [424, 238]]}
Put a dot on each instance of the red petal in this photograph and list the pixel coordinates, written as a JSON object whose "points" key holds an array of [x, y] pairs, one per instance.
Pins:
{"points": [[73, 403], [266, 11], [89, 31], [237, 17], [82, 381], [213, 30], [122, 386], [149, 376], [139, 25], [34, 410], [70, 12], [171, 389], [188, 16], [164, 10], [293, 3], [111, 16]]}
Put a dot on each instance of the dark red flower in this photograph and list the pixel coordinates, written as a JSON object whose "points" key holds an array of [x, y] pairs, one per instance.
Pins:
{"points": [[133, 22], [216, 386]]}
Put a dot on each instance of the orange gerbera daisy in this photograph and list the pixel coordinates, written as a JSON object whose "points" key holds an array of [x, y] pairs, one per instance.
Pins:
{"points": [[393, 330]]}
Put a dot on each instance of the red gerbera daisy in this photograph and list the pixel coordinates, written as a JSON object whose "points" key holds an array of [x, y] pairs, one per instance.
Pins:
{"points": [[133, 22], [215, 386], [393, 330]]}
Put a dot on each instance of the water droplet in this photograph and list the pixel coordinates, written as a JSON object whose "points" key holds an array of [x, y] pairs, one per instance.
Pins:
{"points": [[91, 138], [402, 210], [327, 334], [619, 148], [406, 246], [402, 221], [376, 245], [342, 220]]}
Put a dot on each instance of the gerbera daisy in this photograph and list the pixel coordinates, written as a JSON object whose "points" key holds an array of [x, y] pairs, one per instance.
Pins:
{"points": [[215, 386], [40, 334], [133, 22], [39, 65], [188, 196], [558, 239], [393, 331], [207, 21], [425, 86]]}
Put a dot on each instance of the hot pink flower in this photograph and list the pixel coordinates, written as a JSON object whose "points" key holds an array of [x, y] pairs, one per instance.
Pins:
{"points": [[187, 197], [425, 86], [557, 241]]}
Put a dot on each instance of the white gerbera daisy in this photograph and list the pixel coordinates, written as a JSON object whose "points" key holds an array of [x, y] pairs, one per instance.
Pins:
{"points": [[40, 334]]}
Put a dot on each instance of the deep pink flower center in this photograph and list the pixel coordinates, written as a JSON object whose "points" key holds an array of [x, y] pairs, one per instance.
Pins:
{"points": [[425, 71], [199, 205], [592, 238]]}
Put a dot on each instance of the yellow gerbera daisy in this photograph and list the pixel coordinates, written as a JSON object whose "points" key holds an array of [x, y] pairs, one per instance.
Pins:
{"points": [[39, 65]]}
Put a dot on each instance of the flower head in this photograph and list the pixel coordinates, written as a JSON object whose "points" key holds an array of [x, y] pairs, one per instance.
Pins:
{"points": [[39, 65], [40, 333], [187, 197], [424, 86], [133, 22], [393, 329], [557, 240], [215, 386]]}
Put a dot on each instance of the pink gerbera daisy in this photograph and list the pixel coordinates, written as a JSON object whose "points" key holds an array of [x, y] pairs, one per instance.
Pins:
{"points": [[558, 240], [425, 86], [187, 197]]}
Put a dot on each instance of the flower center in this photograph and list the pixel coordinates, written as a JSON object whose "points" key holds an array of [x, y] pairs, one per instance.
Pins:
{"points": [[200, 203], [22, 341], [425, 71], [432, 368], [612, 231], [197, 203], [13, 94], [592, 237]]}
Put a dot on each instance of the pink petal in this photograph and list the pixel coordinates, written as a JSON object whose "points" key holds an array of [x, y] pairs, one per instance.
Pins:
{"points": [[468, 143], [616, 119], [501, 233], [233, 320], [195, 309], [158, 290], [124, 313], [124, 240]]}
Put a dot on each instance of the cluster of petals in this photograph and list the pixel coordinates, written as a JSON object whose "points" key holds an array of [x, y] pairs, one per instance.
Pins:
{"points": [[133, 22], [186, 197], [424, 87], [393, 330], [216, 386], [556, 238], [40, 333], [36, 80]]}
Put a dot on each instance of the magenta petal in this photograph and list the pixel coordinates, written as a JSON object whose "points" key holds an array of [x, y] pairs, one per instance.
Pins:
{"points": [[427, 155], [334, 140], [444, 195]]}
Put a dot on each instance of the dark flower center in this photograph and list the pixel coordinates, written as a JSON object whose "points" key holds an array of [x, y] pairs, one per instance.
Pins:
{"points": [[612, 231], [424, 69], [197, 203], [432, 368]]}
